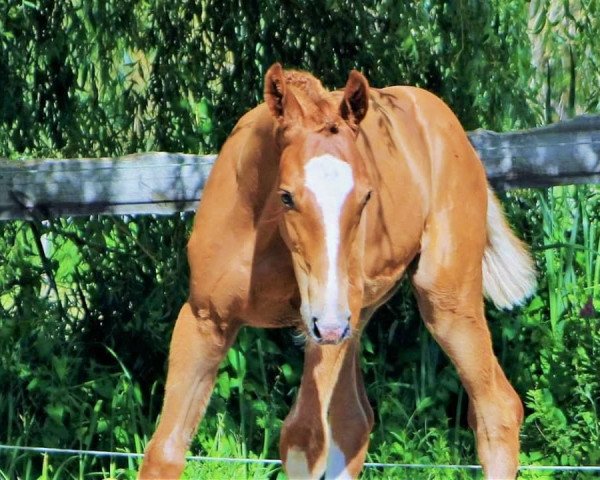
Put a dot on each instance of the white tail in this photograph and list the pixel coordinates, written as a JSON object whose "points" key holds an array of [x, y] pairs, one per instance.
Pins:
{"points": [[508, 271]]}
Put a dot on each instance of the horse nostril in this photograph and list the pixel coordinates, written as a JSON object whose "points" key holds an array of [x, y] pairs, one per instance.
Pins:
{"points": [[315, 329]]}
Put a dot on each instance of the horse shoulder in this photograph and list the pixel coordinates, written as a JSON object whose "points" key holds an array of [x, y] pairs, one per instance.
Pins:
{"points": [[221, 242]]}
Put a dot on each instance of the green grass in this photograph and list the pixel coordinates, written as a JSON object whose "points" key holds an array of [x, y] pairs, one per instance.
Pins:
{"points": [[60, 389]]}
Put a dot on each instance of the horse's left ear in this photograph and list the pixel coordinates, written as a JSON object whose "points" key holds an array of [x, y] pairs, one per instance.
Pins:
{"points": [[355, 103]]}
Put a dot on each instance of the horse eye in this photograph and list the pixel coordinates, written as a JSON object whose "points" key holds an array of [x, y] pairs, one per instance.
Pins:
{"points": [[287, 199], [368, 197]]}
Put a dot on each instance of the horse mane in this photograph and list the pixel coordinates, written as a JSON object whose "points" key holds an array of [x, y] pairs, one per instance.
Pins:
{"points": [[307, 84], [317, 103]]}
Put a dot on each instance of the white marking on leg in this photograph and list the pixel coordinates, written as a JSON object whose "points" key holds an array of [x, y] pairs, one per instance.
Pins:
{"points": [[330, 180], [296, 465], [336, 464]]}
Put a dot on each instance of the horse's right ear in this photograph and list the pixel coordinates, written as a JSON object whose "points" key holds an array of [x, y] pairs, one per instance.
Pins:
{"points": [[281, 102], [355, 103]]}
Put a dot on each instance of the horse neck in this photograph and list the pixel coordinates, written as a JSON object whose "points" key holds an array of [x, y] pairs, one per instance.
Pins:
{"points": [[254, 155]]}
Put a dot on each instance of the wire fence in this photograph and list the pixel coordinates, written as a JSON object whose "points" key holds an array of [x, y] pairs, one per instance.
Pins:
{"points": [[264, 461]]}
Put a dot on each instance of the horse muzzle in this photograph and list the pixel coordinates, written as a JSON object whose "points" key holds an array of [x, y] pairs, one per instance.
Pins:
{"points": [[329, 332]]}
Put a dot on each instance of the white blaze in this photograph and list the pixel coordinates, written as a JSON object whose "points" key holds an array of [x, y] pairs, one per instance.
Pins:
{"points": [[330, 180]]}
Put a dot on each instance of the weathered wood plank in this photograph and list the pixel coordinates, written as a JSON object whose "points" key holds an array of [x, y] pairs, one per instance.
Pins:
{"points": [[560, 154], [162, 183], [142, 183]]}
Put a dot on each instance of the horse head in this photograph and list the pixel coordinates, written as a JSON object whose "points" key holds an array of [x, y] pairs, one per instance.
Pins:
{"points": [[323, 187]]}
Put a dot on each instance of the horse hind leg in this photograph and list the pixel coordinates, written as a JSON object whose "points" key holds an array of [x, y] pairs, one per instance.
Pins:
{"points": [[449, 294], [197, 347]]}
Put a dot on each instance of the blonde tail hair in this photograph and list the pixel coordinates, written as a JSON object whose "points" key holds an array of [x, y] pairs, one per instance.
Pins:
{"points": [[508, 270]]}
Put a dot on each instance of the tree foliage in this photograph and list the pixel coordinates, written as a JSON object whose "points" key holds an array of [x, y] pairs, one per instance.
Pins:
{"points": [[112, 77], [86, 305]]}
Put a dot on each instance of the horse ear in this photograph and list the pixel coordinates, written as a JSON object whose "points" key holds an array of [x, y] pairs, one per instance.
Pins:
{"points": [[355, 103], [281, 101]]}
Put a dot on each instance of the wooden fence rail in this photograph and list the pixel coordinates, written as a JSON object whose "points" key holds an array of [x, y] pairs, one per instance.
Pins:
{"points": [[163, 183]]}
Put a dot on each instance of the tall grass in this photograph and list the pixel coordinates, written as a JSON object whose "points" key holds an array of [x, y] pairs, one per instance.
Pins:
{"points": [[115, 423], [557, 335], [565, 394]]}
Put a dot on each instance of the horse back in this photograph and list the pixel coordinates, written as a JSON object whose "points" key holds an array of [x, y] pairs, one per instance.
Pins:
{"points": [[420, 163]]}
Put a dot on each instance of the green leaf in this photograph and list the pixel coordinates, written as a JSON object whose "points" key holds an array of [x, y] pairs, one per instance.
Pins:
{"points": [[60, 366], [55, 412], [224, 385], [424, 403]]}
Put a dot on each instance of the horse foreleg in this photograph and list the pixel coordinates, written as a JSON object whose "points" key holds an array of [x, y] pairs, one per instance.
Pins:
{"points": [[350, 419], [197, 347], [305, 434]]}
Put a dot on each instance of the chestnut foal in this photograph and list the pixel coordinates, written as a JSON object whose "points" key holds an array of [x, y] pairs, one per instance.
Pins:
{"points": [[317, 205]]}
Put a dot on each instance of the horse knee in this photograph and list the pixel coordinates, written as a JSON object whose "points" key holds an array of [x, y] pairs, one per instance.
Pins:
{"points": [[307, 436], [303, 446]]}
